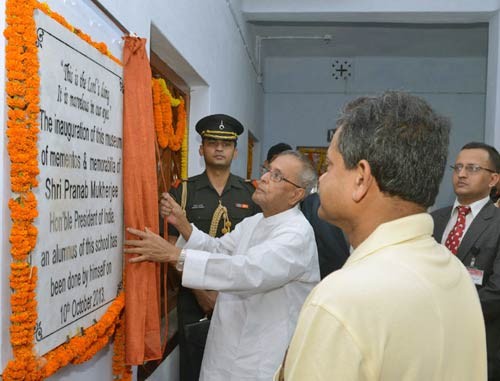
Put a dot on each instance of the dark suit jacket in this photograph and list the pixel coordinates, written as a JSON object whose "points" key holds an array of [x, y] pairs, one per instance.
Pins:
{"points": [[333, 249], [482, 240]]}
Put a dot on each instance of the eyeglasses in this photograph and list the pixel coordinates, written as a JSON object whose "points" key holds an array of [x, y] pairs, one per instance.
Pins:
{"points": [[276, 176], [469, 168]]}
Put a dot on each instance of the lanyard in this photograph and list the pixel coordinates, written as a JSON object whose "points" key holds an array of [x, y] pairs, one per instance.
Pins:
{"points": [[475, 252]]}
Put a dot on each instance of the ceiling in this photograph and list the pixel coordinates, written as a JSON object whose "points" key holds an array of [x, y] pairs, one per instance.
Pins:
{"points": [[350, 28], [296, 39]]}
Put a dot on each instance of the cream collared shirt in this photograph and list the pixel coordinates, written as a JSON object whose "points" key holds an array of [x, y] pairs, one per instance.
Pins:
{"points": [[401, 309]]}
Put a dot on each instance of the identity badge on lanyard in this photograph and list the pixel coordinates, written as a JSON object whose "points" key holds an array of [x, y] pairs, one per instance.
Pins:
{"points": [[475, 273]]}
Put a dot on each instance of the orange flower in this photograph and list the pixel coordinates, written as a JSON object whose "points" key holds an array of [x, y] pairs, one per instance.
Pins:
{"points": [[180, 127], [22, 88], [81, 348], [162, 111], [161, 134], [100, 46]]}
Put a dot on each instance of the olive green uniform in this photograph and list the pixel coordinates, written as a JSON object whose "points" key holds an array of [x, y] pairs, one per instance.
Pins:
{"points": [[203, 200]]}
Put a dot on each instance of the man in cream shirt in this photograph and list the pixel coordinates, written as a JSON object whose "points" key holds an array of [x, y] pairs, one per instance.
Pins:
{"points": [[263, 269], [402, 308]]}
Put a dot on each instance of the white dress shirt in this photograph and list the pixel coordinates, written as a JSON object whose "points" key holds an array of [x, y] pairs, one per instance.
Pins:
{"points": [[264, 270], [475, 209]]}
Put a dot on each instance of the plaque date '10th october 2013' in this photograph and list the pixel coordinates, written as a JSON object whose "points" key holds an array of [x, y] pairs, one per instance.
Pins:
{"points": [[82, 304]]}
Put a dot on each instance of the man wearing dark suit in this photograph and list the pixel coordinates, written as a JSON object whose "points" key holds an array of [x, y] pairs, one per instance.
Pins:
{"points": [[471, 230], [333, 249]]}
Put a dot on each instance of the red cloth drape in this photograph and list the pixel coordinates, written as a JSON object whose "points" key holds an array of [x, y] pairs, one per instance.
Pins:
{"points": [[142, 322]]}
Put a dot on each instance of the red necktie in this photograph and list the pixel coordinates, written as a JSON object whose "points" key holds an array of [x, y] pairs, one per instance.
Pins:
{"points": [[453, 240]]}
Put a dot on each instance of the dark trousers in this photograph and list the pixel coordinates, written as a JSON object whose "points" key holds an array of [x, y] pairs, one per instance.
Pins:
{"points": [[494, 367], [192, 335], [493, 349]]}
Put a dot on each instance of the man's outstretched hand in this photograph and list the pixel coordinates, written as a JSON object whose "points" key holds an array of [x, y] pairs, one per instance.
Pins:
{"points": [[150, 247]]}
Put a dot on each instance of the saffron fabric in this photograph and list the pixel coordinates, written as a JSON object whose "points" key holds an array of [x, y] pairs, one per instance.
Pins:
{"points": [[142, 322]]}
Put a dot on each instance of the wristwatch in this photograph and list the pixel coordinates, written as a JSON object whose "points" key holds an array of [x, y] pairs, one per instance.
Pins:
{"points": [[179, 266]]}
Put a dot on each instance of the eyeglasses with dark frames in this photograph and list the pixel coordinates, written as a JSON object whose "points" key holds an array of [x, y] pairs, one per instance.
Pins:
{"points": [[276, 176], [469, 168]]}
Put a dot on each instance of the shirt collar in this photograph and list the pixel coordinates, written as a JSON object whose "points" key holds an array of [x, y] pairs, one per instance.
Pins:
{"points": [[234, 182], [283, 216], [204, 182], [475, 207], [391, 233]]}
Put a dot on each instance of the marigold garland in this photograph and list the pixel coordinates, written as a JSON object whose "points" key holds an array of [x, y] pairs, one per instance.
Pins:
{"points": [[82, 348], [184, 156], [180, 127], [167, 130], [173, 101], [163, 101], [101, 46], [22, 88], [158, 115], [22, 129], [119, 367]]}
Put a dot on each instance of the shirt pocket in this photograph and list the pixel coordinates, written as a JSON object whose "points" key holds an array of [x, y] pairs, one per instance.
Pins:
{"points": [[485, 260], [238, 213]]}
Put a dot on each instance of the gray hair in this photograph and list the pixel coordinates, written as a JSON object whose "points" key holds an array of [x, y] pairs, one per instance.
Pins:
{"points": [[402, 138], [307, 177]]}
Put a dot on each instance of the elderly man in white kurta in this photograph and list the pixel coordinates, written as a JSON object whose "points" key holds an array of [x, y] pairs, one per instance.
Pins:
{"points": [[264, 270]]}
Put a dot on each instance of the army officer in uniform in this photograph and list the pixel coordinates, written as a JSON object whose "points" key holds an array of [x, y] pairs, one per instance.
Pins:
{"points": [[215, 201]]}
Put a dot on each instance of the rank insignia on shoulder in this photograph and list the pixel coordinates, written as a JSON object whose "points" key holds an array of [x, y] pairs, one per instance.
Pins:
{"points": [[242, 206], [254, 182], [198, 206], [177, 182]]}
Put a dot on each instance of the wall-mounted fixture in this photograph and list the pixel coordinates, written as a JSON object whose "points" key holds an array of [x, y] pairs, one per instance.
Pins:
{"points": [[342, 68]]}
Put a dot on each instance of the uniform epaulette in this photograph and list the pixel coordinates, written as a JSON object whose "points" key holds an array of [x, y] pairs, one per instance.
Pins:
{"points": [[254, 182], [177, 182]]}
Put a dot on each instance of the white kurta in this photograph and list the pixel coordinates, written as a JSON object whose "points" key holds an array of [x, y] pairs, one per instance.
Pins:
{"points": [[264, 270]]}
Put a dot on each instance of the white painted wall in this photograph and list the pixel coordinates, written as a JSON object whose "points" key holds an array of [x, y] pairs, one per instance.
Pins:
{"points": [[492, 133], [206, 40], [302, 99], [168, 370], [395, 11], [206, 35], [208, 49]]}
